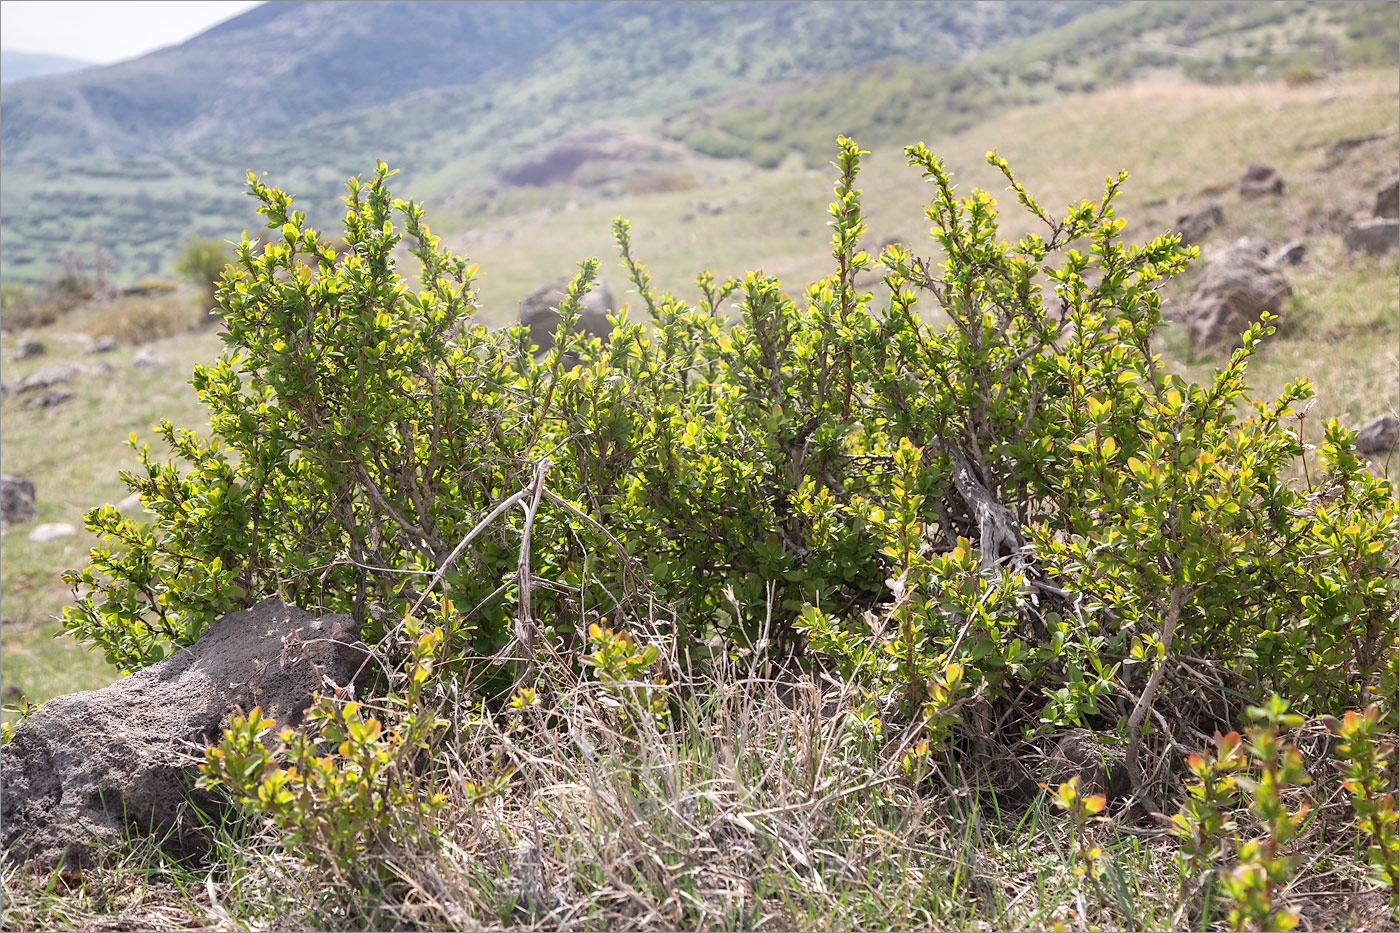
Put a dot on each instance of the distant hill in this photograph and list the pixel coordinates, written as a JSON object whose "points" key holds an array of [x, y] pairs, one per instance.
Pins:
{"points": [[1219, 42], [21, 66], [479, 102], [137, 156], [280, 65]]}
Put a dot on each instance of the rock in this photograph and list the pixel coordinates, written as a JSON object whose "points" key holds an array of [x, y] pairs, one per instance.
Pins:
{"points": [[91, 768], [17, 499], [1260, 180], [49, 398], [1293, 253], [1388, 201], [1347, 143], [1238, 285], [1245, 244], [131, 503], [50, 375], [1376, 236], [1098, 766], [1197, 224], [27, 348], [51, 531], [1378, 437], [147, 358], [538, 312], [104, 344]]}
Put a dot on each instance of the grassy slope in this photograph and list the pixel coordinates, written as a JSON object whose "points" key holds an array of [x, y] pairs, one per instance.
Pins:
{"points": [[1178, 140]]}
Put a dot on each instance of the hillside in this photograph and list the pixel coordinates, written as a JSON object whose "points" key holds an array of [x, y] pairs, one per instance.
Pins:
{"points": [[1210, 43], [16, 65], [138, 156]]}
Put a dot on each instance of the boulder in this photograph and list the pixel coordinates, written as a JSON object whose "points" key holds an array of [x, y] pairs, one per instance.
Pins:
{"points": [[1378, 437], [17, 499], [1376, 236], [1388, 201], [1260, 180], [28, 347], [91, 768], [51, 531], [50, 375], [1238, 285], [538, 311], [1197, 224], [104, 344]]}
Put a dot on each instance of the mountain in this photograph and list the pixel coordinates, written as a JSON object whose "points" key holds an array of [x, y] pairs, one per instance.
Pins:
{"points": [[21, 66], [273, 68]]}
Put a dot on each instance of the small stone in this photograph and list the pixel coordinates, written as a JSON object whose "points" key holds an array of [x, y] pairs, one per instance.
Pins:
{"points": [[104, 344], [148, 359], [131, 503], [1260, 180], [1378, 437], [1196, 224], [50, 375], [49, 398], [28, 347], [51, 531], [1388, 201], [1238, 286], [17, 499], [1376, 236], [538, 312], [1294, 253]]}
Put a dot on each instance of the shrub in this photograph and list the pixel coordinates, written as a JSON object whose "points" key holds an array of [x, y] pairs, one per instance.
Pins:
{"points": [[1299, 75], [202, 262], [1005, 524], [352, 792], [136, 320]]}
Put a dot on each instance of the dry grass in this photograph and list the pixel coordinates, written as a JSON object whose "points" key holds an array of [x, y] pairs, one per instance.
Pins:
{"points": [[765, 806]]}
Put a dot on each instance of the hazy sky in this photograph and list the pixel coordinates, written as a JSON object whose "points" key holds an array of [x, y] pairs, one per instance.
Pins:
{"points": [[108, 30]]}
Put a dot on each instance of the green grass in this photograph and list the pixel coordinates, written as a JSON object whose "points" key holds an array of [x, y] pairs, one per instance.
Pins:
{"points": [[72, 453]]}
